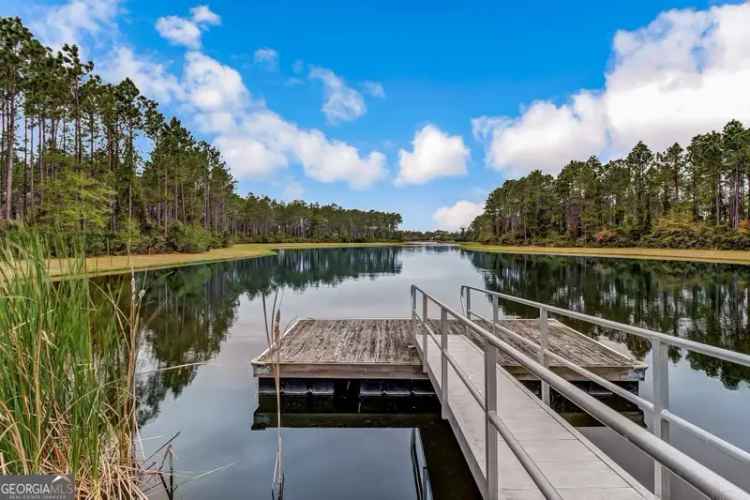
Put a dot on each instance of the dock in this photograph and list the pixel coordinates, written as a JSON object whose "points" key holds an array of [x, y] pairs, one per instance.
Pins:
{"points": [[316, 353], [345, 349], [386, 349]]}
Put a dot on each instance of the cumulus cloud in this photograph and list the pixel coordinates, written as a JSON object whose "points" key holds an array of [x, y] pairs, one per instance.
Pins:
{"points": [[179, 31], [267, 57], [213, 87], [545, 136], [187, 32], [342, 103], [434, 154], [152, 78], [75, 22], [374, 89], [203, 15], [256, 141], [670, 80], [456, 216]]}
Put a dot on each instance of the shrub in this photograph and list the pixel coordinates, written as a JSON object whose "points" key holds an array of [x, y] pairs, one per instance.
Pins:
{"points": [[612, 237], [189, 239], [129, 238]]}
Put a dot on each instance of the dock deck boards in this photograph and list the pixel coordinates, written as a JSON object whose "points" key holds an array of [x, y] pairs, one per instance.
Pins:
{"points": [[351, 348], [574, 466], [385, 348], [566, 342]]}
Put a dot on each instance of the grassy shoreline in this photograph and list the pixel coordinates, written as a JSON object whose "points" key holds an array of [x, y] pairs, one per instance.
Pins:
{"points": [[741, 257], [118, 264]]}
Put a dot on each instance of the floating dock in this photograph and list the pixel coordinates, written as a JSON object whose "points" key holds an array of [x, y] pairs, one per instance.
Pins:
{"points": [[384, 356], [365, 349]]}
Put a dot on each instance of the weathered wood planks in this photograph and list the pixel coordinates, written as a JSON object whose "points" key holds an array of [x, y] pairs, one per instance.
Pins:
{"points": [[385, 348], [351, 348]]}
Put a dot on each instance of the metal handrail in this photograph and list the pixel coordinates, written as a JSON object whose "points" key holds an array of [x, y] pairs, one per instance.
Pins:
{"points": [[699, 476], [658, 410], [691, 345], [642, 403], [487, 406]]}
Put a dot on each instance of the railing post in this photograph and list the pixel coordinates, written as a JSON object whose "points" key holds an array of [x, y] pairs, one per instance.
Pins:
{"points": [[413, 302], [490, 432], [543, 347], [424, 332], [468, 302], [660, 426], [495, 307], [444, 362]]}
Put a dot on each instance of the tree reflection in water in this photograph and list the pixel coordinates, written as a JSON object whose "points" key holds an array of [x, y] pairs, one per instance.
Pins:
{"points": [[704, 302], [188, 311]]}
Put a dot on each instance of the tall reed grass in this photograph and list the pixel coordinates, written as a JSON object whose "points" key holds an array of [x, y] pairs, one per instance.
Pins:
{"points": [[67, 362]]}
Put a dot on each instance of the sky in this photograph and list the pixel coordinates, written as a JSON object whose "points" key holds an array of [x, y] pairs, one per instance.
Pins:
{"points": [[416, 107]]}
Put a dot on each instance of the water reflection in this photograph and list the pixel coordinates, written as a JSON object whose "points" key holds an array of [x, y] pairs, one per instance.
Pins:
{"points": [[186, 315], [188, 311], [707, 303]]}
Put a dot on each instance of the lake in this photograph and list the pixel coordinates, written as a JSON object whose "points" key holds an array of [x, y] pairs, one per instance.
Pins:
{"points": [[203, 324]]}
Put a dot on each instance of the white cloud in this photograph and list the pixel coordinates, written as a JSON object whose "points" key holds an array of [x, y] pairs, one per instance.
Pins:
{"points": [[256, 141], [152, 78], [545, 137], [322, 159], [187, 32], [434, 154], [267, 57], [213, 87], [374, 89], [75, 22], [342, 103], [203, 15], [179, 31], [675, 78], [459, 215], [249, 158]]}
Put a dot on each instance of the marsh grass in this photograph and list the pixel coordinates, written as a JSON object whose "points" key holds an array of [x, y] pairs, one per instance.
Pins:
{"points": [[67, 363]]}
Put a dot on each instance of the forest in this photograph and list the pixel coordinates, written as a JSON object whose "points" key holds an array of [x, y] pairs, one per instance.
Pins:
{"points": [[100, 162], [698, 196]]}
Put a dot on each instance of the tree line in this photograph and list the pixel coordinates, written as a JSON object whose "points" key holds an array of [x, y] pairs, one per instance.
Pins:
{"points": [[697, 196], [85, 157]]}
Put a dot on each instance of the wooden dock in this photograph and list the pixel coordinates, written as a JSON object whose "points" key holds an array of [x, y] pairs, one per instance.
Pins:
{"points": [[346, 349], [386, 349]]}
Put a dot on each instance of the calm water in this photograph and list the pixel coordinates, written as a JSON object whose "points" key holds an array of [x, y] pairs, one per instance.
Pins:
{"points": [[210, 318]]}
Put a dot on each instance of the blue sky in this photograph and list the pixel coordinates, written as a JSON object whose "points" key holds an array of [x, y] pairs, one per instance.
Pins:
{"points": [[417, 107]]}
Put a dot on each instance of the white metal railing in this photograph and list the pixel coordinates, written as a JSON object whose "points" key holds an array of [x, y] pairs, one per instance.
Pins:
{"points": [[699, 476], [657, 410]]}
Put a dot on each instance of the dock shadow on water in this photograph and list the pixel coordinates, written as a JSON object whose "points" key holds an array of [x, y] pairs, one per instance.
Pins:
{"points": [[203, 325]]}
